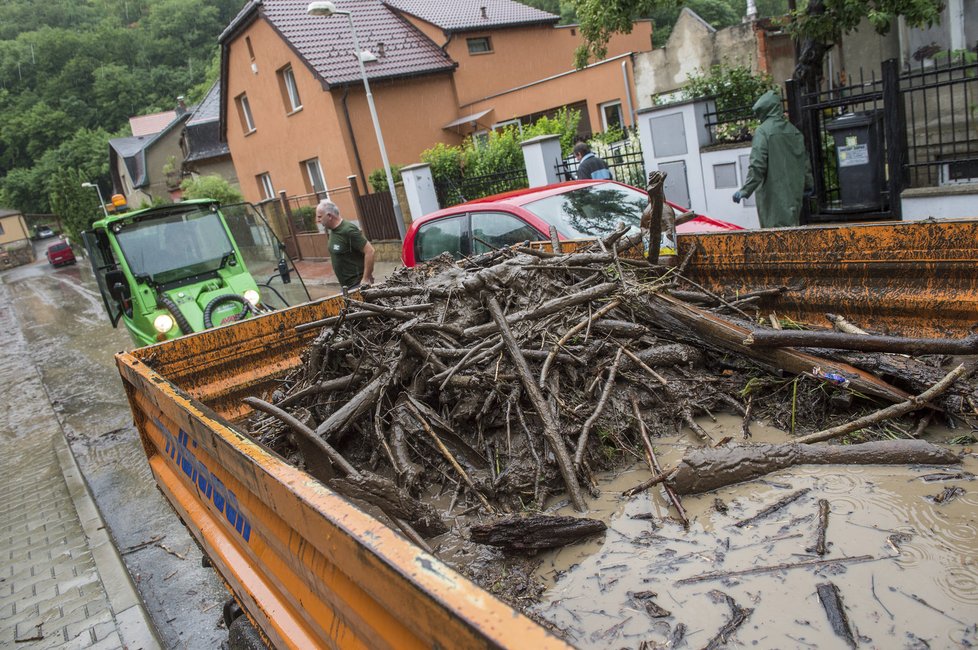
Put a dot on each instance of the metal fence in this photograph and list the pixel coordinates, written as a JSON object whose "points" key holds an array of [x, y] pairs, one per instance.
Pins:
{"points": [[941, 110], [730, 124], [459, 190], [626, 167], [921, 128]]}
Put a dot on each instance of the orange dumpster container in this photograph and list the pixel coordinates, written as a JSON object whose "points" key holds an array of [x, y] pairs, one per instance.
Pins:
{"points": [[311, 570]]}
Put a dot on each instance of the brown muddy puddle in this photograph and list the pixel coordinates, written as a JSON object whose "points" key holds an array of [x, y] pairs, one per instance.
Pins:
{"points": [[918, 589]]}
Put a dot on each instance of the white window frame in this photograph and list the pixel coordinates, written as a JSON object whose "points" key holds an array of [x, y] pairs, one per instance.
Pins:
{"points": [[604, 115], [246, 113], [314, 170], [504, 123], [292, 90], [265, 182]]}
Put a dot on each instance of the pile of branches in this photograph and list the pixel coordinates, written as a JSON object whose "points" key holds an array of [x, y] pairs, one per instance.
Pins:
{"points": [[508, 378]]}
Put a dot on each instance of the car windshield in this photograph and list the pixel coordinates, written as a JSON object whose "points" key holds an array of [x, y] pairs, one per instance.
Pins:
{"points": [[175, 246], [593, 210]]}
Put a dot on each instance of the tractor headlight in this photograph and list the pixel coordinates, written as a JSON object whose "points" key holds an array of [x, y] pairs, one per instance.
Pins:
{"points": [[252, 296], [163, 323]]}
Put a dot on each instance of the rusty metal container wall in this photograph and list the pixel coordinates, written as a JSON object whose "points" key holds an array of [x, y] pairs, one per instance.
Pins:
{"points": [[907, 278], [310, 569]]}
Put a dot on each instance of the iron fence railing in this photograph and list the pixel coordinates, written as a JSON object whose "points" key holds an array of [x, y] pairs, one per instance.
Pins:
{"points": [[626, 167], [735, 124], [453, 191], [941, 109]]}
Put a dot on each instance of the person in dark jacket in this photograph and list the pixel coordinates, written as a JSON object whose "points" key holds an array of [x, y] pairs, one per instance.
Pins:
{"points": [[779, 169], [589, 165]]}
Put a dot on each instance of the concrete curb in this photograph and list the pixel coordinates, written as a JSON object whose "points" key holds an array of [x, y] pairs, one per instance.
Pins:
{"points": [[134, 624]]}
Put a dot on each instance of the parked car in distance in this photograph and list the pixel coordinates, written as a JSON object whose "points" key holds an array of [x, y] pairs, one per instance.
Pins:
{"points": [[578, 209], [60, 253], [42, 231]]}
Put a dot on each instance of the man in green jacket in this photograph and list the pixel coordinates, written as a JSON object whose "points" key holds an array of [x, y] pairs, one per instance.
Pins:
{"points": [[779, 168], [351, 254]]}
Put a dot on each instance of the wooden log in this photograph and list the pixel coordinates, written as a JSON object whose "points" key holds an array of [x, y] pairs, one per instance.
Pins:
{"points": [[831, 599], [763, 338], [534, 532], [840, 324], [705, 469], [819, 547], [395, 502], [359, 404], [774, 507], [722, 333], [550, 429]]}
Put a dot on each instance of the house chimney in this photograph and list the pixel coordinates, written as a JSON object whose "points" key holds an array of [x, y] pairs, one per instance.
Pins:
{"points": [[482, 11], [751, 11], [380, 48], [181, 105]]}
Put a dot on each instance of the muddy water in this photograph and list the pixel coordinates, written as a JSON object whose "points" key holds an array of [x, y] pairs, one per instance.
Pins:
{"points": [[919, 588]]}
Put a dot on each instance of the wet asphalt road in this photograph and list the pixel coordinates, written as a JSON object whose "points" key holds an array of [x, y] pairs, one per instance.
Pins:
{"points": [[71, 341]]}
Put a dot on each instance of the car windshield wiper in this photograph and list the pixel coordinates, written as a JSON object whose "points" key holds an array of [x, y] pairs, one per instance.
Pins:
{"points": [[226, 258]]}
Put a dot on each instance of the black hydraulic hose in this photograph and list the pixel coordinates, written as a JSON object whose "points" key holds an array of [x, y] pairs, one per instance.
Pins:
{"points": [[220, 300], [174, 310]]}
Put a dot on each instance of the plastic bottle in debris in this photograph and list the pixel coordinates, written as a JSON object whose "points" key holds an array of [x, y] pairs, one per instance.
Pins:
{"points": [[667, 250], [831, 377]]}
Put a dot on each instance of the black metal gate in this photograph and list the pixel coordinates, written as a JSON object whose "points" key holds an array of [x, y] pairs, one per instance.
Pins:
{"points": [[926, 134]]}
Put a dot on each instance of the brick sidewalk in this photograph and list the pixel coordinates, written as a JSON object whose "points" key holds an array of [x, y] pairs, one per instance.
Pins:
{"points": [[62, 583]]}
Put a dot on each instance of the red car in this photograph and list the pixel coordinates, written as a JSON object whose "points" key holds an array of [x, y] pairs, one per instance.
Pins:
{"points": [[579, 209], [60, 253]]}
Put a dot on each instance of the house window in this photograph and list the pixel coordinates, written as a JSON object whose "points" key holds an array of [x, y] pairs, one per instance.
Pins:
{"points": [[611, 117], [479, 45], [251, 50], [499, 126], [266, 187], [1, 228], [314, 174], [290, 91], [244, 112]]}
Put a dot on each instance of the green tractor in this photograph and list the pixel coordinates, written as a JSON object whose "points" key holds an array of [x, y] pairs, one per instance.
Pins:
{"points": [[175, 269]]}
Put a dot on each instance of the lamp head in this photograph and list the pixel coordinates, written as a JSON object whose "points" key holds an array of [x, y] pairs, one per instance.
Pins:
{"points": [[88, 184], [323, 8]]}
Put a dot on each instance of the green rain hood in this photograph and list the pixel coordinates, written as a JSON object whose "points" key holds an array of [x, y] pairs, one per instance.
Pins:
{"points": [[779, 170]]}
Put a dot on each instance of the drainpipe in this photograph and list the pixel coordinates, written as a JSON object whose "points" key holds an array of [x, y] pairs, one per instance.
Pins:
{"points": [[628, 92], [353, 137]]}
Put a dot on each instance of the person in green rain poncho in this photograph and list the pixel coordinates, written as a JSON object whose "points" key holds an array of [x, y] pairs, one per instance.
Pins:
{"points": [[779, 169]]}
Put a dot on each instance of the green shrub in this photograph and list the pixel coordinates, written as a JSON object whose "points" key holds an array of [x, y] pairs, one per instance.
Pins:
{"points": [[731, 86], [211, 187], [306, 215], [378, 178]]}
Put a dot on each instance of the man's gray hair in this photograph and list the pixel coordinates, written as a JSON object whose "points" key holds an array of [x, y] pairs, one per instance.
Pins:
{"points": [[328, 207]]}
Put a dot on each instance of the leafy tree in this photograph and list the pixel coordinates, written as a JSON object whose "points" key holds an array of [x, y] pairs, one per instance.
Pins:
{"points": [[378, 178], [211, 187], [76, 205], [823, 22]]}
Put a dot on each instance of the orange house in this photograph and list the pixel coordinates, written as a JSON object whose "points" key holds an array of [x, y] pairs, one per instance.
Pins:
{"points": [[295, 114]]}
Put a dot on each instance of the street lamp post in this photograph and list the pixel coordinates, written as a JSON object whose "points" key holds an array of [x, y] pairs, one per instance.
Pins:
{"points": [[101, 201], [326, 9]]}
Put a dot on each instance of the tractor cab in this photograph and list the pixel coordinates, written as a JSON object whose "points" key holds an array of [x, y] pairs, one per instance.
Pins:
{"points": [[176, 269]]}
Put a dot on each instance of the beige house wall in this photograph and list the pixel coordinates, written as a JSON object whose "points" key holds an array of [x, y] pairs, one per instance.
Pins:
{"points": [[523, 55], [157, 155], [14, 228], [694, 46], [596, 84]]}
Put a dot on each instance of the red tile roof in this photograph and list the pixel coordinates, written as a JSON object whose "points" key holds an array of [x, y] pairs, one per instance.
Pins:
{"points": [[151, 124], [327, 43], [472, 15]]}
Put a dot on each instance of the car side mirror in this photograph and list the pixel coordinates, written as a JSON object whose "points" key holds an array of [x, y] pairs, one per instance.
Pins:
{"points": [[283, 270]]}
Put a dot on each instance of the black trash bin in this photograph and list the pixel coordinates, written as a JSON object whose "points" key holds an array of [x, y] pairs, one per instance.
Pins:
{"points": [[859, 154]]}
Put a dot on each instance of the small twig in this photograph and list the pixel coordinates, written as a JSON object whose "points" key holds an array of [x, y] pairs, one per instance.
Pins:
{"points": [[447, 454], [171, 551], [605, 393], [738, 616], [722, 575], [142, 545], [655, 466], [774, 507], [823, 523], [655, 480], [872, 588], [569, 334], [644, 366]]}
